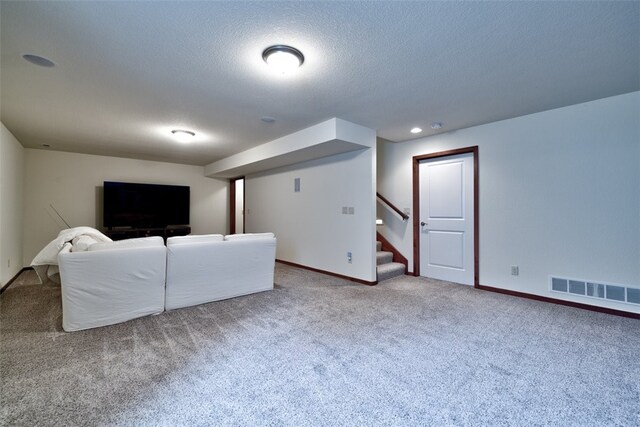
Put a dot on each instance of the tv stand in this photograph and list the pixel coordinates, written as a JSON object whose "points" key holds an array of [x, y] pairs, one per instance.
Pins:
{"points": [[121, 233]]}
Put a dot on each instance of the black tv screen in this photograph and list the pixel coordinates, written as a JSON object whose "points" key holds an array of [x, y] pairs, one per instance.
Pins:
{"points": [[145, 205]]}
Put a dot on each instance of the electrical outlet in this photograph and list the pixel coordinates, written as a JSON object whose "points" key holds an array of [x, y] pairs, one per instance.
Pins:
{"points": [[349, 257], [515, 270]]}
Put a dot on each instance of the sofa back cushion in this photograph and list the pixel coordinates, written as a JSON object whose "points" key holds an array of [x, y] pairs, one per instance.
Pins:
{"points": [[141, 242], [197, 238], [249, 236]]}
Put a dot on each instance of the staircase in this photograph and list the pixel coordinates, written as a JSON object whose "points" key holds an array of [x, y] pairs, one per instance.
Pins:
{"points": [[385, 267]]}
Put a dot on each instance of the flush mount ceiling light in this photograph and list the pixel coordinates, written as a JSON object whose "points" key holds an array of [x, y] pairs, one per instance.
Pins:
{"points": [[283, 59], [183, 135], [38, 60], [436, 125], [416, 130]]}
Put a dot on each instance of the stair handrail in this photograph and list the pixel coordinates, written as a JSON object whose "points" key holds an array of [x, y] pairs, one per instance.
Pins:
{"points": [[393, 207]]}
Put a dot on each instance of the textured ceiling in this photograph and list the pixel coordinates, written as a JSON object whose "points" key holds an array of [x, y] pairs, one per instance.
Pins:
{"points": [[128, 72]]}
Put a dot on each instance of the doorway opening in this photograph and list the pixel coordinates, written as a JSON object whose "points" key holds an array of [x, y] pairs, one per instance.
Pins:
{"points": [[445, 221], [236, 206]]}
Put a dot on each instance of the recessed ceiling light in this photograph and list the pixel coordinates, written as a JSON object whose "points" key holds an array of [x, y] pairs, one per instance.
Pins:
{"points": [[416, 130], [268, 119], [283, 59], [436, 125], [183, 135], [38, 60]]}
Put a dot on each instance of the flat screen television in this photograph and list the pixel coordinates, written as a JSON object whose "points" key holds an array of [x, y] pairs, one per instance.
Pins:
{"points": [[145, 205]]}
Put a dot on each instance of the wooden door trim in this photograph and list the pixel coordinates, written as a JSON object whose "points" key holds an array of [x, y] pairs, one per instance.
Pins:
{"points": [[416, 207]]}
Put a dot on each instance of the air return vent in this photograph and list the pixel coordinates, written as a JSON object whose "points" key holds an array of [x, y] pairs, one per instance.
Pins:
{"points": [[589, 289]]}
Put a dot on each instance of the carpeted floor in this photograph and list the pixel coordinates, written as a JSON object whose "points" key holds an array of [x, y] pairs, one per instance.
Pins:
{"points": [[320, 351]]}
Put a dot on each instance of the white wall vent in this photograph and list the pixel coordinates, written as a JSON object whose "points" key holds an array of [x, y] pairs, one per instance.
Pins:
{"points": [[608, 291]]}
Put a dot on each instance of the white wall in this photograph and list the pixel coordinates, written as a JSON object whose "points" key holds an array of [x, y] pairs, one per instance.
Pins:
{"points": [[11, 205], [72, 183], [309, 225], [559, 195]]}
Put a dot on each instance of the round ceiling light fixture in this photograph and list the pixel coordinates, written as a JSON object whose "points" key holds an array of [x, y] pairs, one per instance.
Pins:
{"points": [[436, 125], [38, 60], [183, 135], [416, 130], [283, 59]]}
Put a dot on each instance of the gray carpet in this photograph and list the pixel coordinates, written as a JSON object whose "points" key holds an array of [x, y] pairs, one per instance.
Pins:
{"points": [[322, 351]]}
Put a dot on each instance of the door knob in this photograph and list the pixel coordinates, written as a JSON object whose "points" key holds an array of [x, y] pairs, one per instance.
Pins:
{"points": [[423, 223]]}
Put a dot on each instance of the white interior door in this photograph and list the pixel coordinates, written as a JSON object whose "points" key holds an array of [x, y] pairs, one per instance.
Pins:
{"points": [[446, 218]]}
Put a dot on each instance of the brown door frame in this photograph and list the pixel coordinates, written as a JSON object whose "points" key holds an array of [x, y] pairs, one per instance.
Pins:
{"points": [[232, 204], [416, 208]]}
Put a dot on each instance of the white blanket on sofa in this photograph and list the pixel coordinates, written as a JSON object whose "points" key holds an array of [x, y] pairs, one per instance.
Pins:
{"points": [[72, 239]]}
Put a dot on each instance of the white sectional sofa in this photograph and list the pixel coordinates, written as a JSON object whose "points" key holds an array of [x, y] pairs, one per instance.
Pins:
{"points": [[207, 268], [112, 282]]}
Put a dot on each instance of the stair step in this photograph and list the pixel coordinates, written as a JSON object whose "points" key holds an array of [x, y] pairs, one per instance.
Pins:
{"points": [[378, 246], [383, 257], [390, 270]]}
